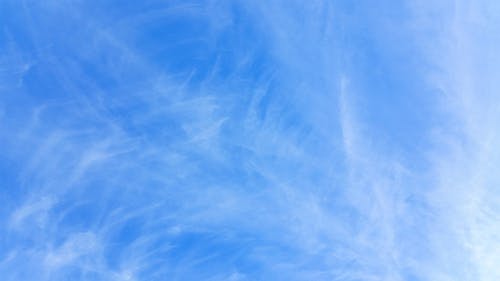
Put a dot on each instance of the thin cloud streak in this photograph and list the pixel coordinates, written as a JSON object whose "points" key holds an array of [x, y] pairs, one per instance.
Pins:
{"points": [[283, 140]]}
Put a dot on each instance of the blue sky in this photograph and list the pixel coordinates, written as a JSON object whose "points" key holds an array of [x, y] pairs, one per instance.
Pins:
{"points": [[249, 140]]}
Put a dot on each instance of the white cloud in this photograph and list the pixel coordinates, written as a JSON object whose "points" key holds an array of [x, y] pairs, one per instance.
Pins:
{"points": [[34, 212]]}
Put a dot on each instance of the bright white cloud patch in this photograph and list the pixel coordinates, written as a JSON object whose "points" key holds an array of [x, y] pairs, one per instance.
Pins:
{"points": [[262, 140]]}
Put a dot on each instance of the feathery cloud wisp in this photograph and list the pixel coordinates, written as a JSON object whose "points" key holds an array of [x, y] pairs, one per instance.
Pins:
{"points": [[279, 140]]}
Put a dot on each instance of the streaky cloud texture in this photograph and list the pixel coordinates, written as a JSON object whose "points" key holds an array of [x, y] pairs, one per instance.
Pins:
{"points": [[249, 140]]}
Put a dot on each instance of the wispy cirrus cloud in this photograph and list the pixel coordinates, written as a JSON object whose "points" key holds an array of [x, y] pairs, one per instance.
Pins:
{"points": [[284, 140]]}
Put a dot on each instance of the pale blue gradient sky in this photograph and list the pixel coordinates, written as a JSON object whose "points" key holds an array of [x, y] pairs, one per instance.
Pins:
{"points": [[249, 140]]}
